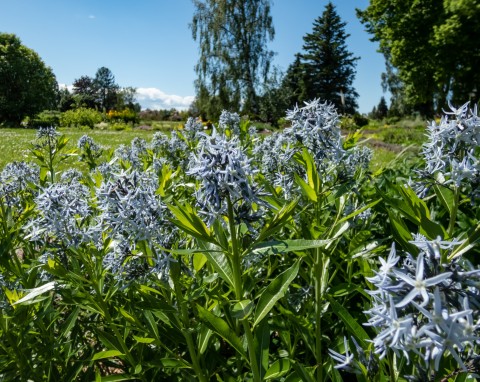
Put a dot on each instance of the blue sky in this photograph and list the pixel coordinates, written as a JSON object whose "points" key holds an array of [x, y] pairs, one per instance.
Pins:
{"points": [[148, 44]]}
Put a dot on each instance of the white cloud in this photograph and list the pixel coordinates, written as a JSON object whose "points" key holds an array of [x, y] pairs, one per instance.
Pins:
{"points": [[91, 17], [153, 98], [64, 86]]}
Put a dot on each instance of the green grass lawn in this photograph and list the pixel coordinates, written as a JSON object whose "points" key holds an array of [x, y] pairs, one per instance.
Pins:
{"points": [[15, 143]]}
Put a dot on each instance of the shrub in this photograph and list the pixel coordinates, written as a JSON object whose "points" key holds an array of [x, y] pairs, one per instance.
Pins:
{"points": [[125, 115], [81, 117], [45, 118]]}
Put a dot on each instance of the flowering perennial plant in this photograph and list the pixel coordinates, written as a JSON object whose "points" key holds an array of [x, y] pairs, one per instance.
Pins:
{"points": [[230, 255]]}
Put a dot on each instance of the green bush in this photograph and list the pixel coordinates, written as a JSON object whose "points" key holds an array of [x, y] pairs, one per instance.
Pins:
{"points": [[81, 117], [44, 119]]}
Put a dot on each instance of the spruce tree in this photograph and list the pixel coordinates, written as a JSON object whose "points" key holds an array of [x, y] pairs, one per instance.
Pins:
{"points": [[329, 68]]}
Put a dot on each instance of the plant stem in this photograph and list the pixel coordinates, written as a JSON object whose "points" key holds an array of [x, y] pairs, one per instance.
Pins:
{"points": [[453, 214], [175, 270], [237, 279], [318, 274]]}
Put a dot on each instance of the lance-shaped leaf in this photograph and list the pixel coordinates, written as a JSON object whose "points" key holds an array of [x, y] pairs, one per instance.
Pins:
{"points": [[277, 222], [219, 326], [188, 221], [32, 293], [274, 292], [289, 246], [353, 327], [279, 368]]}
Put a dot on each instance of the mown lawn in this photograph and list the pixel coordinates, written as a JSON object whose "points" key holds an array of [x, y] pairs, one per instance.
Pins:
{"points": [[15, 143]]}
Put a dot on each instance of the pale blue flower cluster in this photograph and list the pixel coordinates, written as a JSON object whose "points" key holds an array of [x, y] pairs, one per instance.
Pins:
{"points": [[316, 127], [171, 150], [131, 212], [192, 128], [134, 154], [229, 121], [423, 308], [451, 152], [63, 213], [224, 171], [15, 179]]}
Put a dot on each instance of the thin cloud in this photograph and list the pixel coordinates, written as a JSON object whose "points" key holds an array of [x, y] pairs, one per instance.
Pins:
{"points": [[153, 98], [91, 17]]}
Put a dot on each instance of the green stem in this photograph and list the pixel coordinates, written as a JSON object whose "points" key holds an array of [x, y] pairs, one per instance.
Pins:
{"points": [[453, 214], [175, 270], [237, 280], [318, 274]]}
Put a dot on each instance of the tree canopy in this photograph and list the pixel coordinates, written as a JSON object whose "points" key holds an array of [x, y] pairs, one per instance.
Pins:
{"points": [[27, 85], [234, 59], [431, 47]]}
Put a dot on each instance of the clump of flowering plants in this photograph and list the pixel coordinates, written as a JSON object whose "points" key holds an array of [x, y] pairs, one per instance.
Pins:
{"points": [[225, 255]]}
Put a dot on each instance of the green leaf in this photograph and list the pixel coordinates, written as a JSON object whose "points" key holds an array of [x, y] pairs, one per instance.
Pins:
{"points": [[446, 197], [262, 345], [32, 293], [106, 354], [70, 322], [277, 221], [143, 340], [307, 190], [203, 339], [219, 261], [353, 327], [359, 211], [199, 260], [283, 246], [279, 368], [242, 309], [188, 220], [275, 291], [467, 245], [219, 326]]}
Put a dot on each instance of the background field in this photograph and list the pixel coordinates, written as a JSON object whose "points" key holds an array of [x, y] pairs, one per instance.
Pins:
{"points": [[387, 140]]}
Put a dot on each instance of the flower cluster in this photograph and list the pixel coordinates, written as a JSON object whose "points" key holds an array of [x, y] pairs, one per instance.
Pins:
{"points": [[451, 155], [131, 212], [225, 172], [316, 127], [170, 150], [425, 308], [133, 154], [63, 213], [14, 179]]}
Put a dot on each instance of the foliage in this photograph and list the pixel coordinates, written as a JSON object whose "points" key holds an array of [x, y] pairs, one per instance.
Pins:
{"points": [[226, 255], [234, 59], [125, 115], [27, 85], [417, 38], [81, 117], [101, 93], [44, 119], [328, 68]]}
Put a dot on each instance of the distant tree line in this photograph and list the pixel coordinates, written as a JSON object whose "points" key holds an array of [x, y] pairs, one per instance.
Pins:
{"points": [[29, 88], [431, 50]]}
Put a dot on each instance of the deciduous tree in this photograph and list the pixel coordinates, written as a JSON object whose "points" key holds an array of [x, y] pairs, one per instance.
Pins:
{"points": [[234, 58], [433, 47], [27, 85]]}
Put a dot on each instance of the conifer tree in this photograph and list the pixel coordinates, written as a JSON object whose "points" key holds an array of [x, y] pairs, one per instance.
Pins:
{"points": [[328, 66]]}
